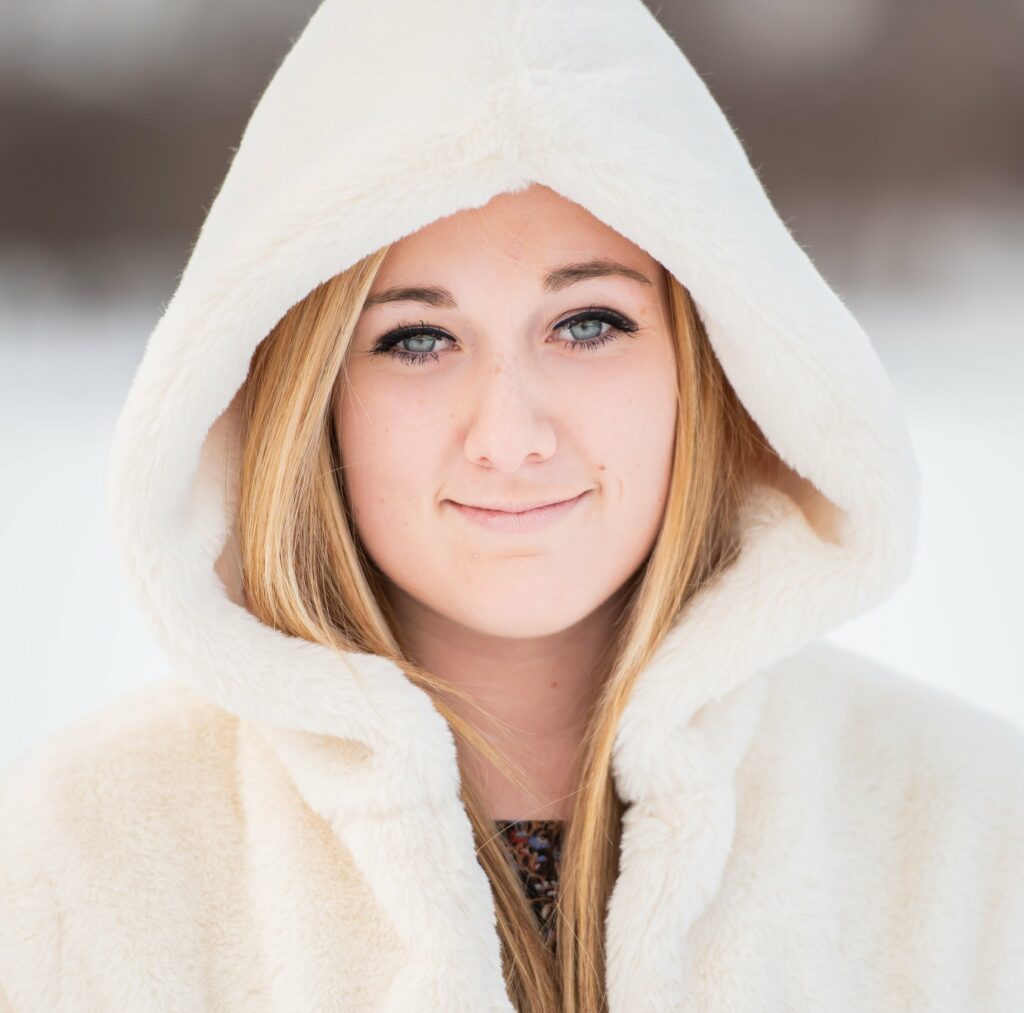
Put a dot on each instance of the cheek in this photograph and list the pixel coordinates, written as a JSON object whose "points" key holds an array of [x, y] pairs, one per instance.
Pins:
{"points": [[389, 453], [630, 430]]}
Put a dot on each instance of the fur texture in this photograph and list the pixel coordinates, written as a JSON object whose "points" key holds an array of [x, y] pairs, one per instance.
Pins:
{"points": [[805, 830]]}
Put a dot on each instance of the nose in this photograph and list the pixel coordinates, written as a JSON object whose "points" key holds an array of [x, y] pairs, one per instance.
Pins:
{"points": [[509, 418]]}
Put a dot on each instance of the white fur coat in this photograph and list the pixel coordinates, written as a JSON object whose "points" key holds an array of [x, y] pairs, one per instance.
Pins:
{"points": [[805, 830]]}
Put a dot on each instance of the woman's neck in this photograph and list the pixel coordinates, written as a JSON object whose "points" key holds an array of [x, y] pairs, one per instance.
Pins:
{"points": [[538, 693]]}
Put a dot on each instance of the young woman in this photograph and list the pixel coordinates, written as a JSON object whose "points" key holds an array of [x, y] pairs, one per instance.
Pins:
{"points": [[490, 481]]}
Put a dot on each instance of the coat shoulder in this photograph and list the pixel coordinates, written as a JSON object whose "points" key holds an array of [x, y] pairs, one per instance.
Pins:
{"points": [[142, 769], [879, 721], [124, 796], [907, 799], [146, 741], [146, 765]]}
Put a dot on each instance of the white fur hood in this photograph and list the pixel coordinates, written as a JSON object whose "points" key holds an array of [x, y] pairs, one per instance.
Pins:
{"points": [[384, 117]]}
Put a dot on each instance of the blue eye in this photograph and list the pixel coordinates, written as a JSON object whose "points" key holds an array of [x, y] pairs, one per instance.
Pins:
{"points": [[584, 326], [418, 335]]}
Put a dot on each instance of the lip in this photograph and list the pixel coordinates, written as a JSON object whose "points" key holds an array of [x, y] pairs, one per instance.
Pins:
{"points": [[523, 520]]}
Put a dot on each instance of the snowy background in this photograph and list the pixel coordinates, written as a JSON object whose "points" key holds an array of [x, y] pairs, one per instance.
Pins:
{"points": [[887, 135]]}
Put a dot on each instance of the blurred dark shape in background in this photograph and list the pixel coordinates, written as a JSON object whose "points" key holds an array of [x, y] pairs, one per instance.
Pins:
{"points": [[119, 119]]}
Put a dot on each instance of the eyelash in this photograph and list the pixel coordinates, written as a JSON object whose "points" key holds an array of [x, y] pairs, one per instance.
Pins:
{"points": [[619, 325]]}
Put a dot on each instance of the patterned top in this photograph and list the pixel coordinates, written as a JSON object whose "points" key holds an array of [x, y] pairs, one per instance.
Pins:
{"points": [[535, 849]]}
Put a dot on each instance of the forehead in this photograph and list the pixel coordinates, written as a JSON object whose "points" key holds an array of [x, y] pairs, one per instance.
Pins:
{"points": [[532, 229]]}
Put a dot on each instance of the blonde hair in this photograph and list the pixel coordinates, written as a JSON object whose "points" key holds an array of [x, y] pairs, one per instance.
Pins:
{"points": [[305, 573]]}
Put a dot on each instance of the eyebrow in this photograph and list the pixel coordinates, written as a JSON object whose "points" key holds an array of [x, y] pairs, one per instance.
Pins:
{"points": [[554, 281]]}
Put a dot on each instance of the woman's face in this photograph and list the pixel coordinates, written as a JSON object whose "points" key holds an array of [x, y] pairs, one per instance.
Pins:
{"points": [[527, 373]]}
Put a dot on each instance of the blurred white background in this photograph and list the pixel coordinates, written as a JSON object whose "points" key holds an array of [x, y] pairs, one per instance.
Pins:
{"points": [[887, 135]]}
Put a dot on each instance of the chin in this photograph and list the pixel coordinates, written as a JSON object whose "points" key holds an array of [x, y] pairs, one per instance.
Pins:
{"points": [[516, 620]]}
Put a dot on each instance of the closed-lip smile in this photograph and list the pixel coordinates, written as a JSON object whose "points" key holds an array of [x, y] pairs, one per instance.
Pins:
{"points": [[516, 508], [519, 517]]}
